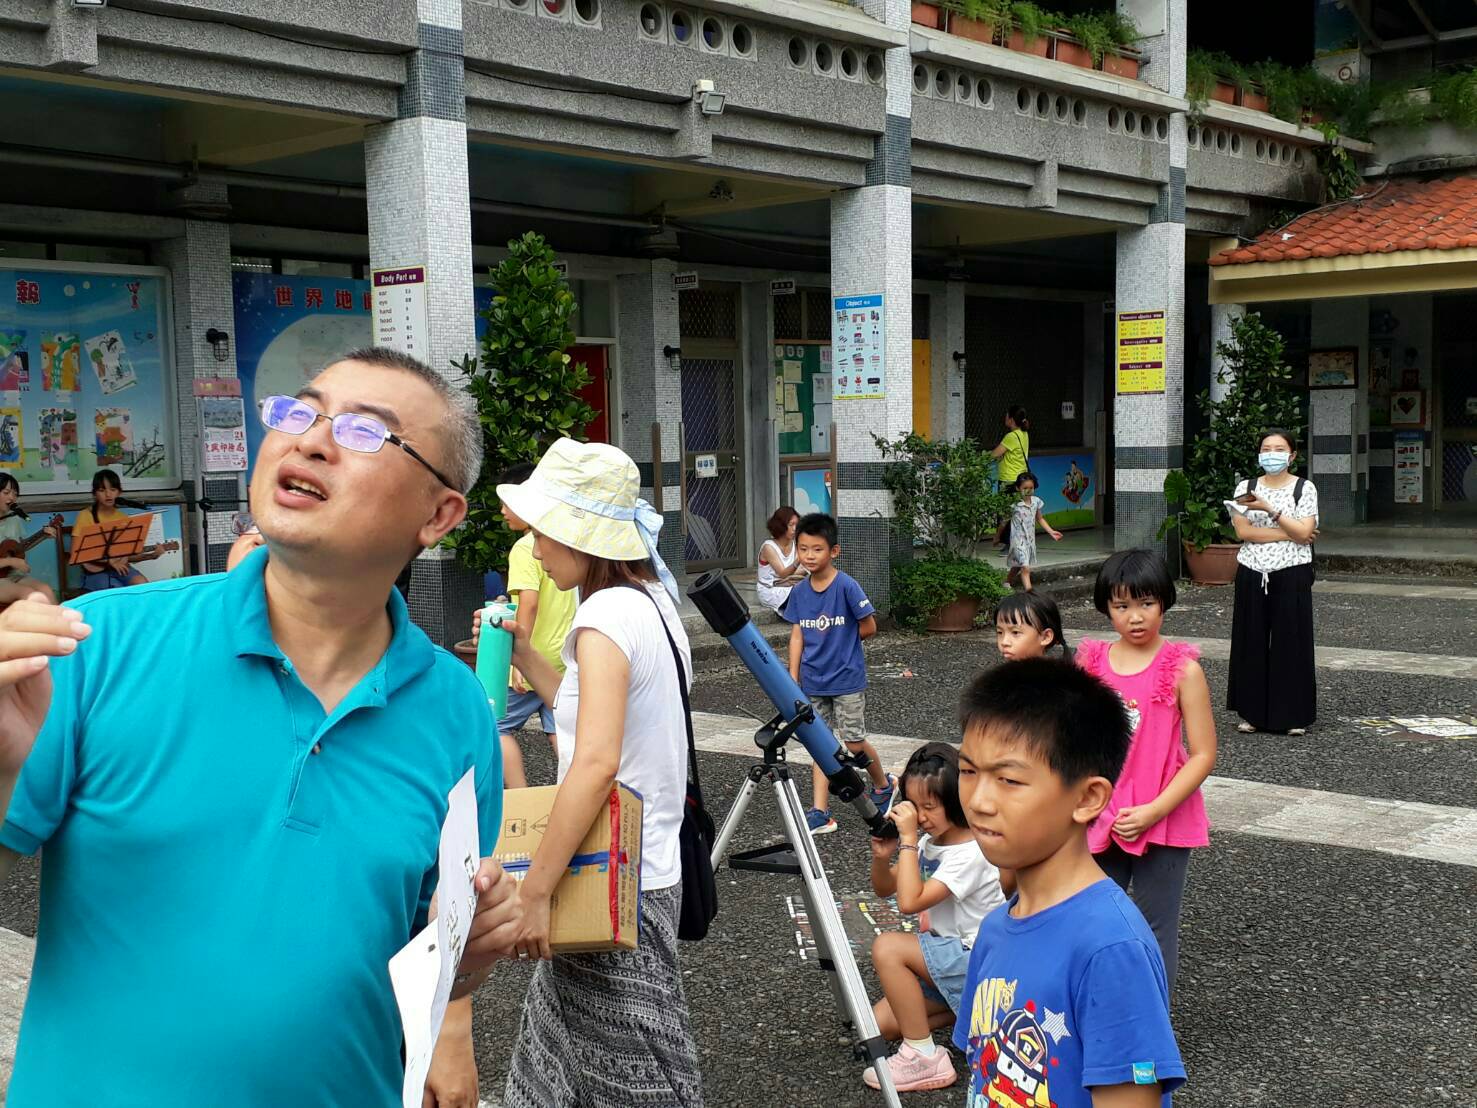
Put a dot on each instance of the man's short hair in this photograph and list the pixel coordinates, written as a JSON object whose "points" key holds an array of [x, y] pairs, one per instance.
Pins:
{"points": [[818, 525], [1073, 721], [460, 434]]}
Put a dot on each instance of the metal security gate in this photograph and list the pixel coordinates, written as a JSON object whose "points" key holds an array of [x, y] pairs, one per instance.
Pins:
{"points": [[712, 428]]}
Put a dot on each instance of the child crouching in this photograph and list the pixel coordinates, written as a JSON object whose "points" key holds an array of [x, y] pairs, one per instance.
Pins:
{"points": [[941, 874]]}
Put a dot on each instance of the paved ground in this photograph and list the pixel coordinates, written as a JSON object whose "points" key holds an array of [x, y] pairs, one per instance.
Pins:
{"points": [[1336, 975]]}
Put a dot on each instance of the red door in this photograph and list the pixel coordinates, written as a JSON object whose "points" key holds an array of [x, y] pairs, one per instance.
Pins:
{"points": [[595, 393]]}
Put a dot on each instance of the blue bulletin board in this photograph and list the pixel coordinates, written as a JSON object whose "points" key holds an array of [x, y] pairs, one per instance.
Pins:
{"points": [[86, 376], [42, 558]]}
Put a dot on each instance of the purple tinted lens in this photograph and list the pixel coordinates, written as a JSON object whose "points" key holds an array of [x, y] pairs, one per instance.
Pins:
{"points": [[284, 413], [358, 432]]}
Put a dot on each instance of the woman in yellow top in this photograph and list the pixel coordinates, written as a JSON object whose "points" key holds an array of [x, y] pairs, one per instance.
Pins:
{"points": [[115, 573], [1015, 446]]}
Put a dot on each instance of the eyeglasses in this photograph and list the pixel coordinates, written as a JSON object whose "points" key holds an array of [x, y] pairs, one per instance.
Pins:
{"points": [[351, 430]]}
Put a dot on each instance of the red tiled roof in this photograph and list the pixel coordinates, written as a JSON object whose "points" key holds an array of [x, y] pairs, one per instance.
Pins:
{"points": [[1397, 215]]}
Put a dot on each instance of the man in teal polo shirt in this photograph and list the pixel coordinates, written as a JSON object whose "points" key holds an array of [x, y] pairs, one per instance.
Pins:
{"points": [[241, 779]]}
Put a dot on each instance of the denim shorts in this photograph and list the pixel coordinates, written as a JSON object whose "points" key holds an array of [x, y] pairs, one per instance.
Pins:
{"points": [[948, 964], [522, 705]]}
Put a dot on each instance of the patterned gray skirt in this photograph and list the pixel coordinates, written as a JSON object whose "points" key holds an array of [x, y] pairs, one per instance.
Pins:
{"points": [[610, 1030]]}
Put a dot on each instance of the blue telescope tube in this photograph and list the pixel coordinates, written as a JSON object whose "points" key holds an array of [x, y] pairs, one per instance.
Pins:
{"points": [[714, 596]]}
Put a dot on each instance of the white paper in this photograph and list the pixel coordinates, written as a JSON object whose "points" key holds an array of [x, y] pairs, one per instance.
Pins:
{"points": [[793, 370], [156, 530], [1234, 508], [422, 972]]}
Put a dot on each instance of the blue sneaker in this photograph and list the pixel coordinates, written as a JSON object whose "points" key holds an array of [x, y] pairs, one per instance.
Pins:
{"points": [[819, 822], [883, 797]]}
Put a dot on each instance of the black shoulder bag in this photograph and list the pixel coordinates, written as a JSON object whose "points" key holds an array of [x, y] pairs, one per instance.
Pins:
{"points": [[695, 840]]}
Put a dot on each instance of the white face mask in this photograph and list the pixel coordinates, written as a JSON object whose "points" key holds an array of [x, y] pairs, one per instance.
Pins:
{"points": [[1273, 461]]}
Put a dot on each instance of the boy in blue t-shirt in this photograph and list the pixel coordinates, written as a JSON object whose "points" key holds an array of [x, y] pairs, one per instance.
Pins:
{"points": [[1065, 1001], [831, 617]]}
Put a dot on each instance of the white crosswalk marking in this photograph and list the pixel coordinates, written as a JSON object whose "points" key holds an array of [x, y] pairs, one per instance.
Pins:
{"points": [[1410, 830]]}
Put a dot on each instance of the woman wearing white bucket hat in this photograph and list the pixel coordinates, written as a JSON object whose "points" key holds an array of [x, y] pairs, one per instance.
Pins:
{"points": [[606, 1028]]}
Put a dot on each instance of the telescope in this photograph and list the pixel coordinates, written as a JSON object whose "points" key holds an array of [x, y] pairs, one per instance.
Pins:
{"points": [[715, 597]]}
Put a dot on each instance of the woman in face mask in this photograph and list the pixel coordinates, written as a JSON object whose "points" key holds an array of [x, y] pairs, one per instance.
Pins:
{"points": [[1272, 685]]}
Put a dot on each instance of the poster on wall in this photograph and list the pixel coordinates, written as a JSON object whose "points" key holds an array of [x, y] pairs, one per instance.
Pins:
{"points": [[165, 530], [858, 345], [1141, 353], [86, 348], [1410, 449], [223, 434], [1067, 484], [810, 489], [288, 328]]}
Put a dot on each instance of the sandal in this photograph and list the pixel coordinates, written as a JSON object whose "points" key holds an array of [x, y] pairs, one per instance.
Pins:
{"points": [[1246, 728], [1296, 731]]}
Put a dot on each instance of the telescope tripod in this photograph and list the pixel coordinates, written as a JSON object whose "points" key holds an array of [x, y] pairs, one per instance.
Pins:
{"points": [[798, 856]]}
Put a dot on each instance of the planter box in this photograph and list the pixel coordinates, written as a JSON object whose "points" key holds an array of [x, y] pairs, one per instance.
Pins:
{"points": [[1073, 53], [957, 615], [1256, 101], [976, 30], [1224, 91], [1039, 46], [1215, 565], [928, 15], [1121, 65]]}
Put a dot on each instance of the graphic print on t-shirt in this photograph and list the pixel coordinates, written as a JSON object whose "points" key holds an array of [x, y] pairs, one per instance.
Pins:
{"points": [[1011, 1048]]}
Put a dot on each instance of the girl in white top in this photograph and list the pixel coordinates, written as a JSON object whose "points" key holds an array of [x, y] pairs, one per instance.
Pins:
{"points": [[613, 1022], [779, 560], [1271, 682], [942, 876]]}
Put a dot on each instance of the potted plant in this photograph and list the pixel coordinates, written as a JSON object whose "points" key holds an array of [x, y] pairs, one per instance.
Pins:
{"points": [[945, 505], [526, 389], [928, 15], [1211, 76], [977, 20], [1121, 59], [1260, 393], [1082, 40], [1029, 24]]}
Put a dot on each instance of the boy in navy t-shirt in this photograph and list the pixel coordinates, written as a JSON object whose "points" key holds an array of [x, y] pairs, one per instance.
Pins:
{"points": [[831, 617], [1065, 1001]]}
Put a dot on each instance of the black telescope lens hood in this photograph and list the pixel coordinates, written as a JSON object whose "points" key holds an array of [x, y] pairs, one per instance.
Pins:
{"points": [[714, 596]]}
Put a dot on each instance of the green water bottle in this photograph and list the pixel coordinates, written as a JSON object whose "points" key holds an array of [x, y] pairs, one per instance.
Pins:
{"points": [[495, 654]]}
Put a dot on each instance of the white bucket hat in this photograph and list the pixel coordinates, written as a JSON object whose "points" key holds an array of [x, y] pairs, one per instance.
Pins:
{"points": [[584, 495]]}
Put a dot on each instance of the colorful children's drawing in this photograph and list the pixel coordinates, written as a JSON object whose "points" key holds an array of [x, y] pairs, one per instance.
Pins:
{"points": [[58, 428], [110, 362], [113, 434], [61, 363], [15, 370], [10, 437]]}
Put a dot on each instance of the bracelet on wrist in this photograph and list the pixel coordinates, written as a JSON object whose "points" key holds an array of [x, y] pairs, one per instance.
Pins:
{"points": [[908, 846]]}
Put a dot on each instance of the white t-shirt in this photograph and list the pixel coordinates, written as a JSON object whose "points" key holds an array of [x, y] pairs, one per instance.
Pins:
{"points": [[1269, 557], [654, 749], [773, 595], [974, 882]]}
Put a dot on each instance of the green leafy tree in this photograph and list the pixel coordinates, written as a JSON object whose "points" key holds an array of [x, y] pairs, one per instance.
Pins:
{"points": [[944, 500], [526, 387], [1261, 393]]}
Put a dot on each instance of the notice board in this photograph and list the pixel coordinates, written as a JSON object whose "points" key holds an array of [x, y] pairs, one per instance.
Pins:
{"points": [[802, 398]]}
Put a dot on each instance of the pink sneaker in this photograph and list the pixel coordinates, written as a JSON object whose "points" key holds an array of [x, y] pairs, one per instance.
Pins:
{"points": [[913, 1071]]}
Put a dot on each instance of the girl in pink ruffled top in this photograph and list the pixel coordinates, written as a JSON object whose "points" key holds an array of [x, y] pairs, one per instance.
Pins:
{"points": [[1143, 838]]}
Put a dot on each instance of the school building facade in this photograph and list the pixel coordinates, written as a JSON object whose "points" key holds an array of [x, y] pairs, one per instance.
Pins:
{"points": [[791, 225]]}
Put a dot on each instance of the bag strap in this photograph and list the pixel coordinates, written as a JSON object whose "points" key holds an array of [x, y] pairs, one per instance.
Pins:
{"points": [[1297, 492], [682, 688]]}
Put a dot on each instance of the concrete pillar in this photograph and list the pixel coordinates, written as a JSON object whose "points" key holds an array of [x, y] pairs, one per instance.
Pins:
{"points": [[651, 391], [415, 170], [1332, 456], [761, 447], [416, 177], [199, 262], [951, 335], [1148, 429], [871, 253], [1221, 316]]}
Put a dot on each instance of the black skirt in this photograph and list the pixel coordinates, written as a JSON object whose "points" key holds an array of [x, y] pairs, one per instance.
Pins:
{"points": [[1272, 684]]}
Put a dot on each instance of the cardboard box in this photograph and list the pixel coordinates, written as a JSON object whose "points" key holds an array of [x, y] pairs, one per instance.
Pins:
{"points": [[595, 905]]}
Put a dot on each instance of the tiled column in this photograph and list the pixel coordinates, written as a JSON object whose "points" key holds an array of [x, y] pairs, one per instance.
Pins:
{"points": [[951, 335], [872, 252], [1332, 452], [1221, 316], [651, 391], [416, 177], [1148, 428], [420, 213], [199, 262]]}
